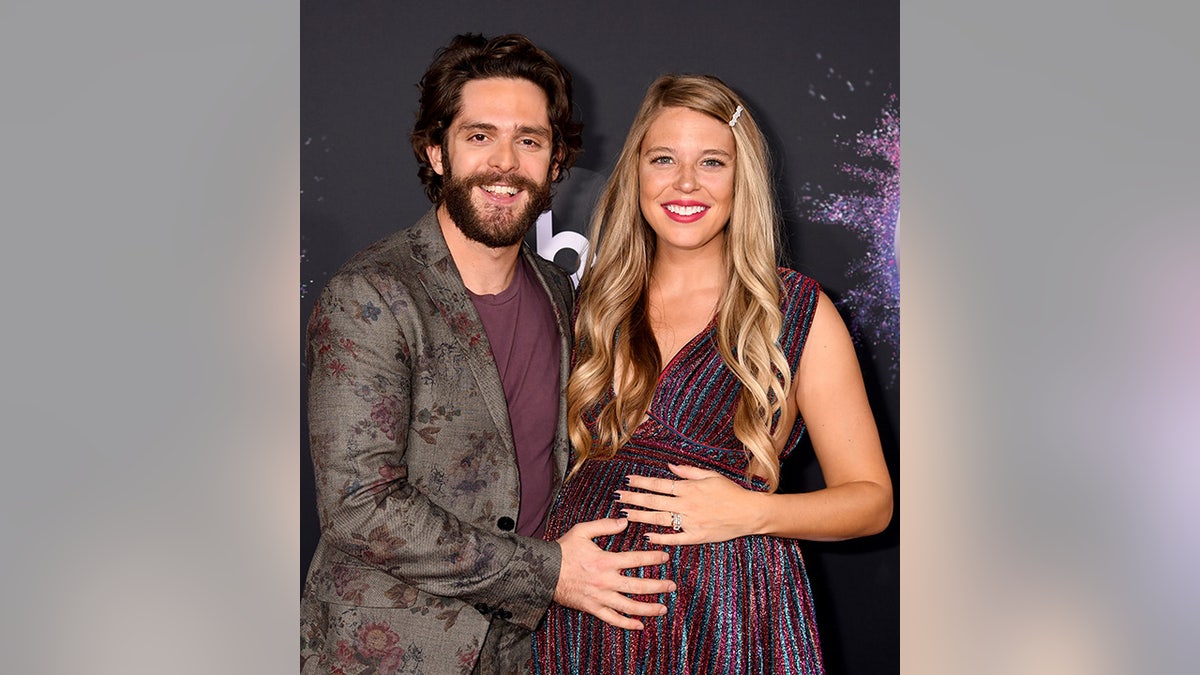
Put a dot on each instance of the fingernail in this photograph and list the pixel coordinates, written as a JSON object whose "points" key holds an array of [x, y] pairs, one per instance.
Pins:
{"points": [[616, 496], [623, 513], [646, 537], [625, 481]]}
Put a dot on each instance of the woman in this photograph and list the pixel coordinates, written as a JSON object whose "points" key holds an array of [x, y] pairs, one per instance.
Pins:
{"points": [[699, 364]]}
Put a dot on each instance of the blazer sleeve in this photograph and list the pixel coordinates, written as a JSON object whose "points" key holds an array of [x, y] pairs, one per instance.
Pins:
{"points": [[359, 405]]}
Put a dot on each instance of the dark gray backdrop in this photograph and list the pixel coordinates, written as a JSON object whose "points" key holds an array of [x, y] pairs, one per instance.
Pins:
{"points": [[815, 77]]}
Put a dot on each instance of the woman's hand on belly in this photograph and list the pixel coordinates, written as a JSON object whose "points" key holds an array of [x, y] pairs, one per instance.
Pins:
{"points": [[706, 506]]}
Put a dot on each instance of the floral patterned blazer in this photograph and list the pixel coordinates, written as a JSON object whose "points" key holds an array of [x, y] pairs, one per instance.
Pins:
{"points": [[416, 473]]}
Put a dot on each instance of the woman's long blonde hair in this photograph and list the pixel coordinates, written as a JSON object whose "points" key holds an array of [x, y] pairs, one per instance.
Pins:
{"points": [[613, 324]]}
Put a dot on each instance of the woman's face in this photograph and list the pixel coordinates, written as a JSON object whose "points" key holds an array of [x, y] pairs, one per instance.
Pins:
{"points": [[685, 175]]}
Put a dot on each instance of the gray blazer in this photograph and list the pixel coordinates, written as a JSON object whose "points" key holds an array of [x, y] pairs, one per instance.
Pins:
{"points": [[416, 473]]}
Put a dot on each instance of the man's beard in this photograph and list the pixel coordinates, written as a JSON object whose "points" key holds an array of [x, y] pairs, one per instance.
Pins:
{"points": [[496, 226]]}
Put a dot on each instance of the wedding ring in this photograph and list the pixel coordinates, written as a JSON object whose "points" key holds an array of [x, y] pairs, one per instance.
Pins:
{"points": [[676, 522]]}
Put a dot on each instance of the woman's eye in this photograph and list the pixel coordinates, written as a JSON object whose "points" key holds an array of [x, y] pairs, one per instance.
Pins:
{"points": [[660, 160], [712, 162]]}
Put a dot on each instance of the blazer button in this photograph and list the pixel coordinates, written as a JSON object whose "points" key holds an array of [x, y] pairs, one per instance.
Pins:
{"points": [[482, 608], [505, 523]]}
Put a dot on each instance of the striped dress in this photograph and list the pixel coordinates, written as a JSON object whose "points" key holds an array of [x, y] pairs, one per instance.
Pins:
{"points": [[742, 606]]}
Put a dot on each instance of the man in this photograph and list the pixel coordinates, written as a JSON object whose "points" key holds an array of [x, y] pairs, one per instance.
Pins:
{"points": [[437, 361]]}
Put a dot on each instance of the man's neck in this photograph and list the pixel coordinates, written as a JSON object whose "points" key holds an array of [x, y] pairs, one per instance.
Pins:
{"points": [[484, 270]]}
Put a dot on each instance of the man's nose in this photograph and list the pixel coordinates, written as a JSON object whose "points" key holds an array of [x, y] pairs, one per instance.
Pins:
{"points": [[503, 158]]}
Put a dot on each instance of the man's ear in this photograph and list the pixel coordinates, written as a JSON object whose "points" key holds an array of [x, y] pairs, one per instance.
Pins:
{"points": [[434, 153]]}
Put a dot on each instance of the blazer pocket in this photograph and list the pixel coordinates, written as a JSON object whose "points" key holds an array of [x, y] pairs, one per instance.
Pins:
{"points": [[361, 586], [355, 596]]}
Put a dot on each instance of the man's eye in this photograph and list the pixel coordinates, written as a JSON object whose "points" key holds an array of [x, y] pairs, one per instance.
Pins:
{"points": [[477, 137]]}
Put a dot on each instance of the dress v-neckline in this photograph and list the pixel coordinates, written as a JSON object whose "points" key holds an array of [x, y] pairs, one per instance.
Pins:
{"points": [[687, 347]]}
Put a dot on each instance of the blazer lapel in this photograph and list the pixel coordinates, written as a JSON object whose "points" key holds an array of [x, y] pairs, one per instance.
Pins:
{"points": [[441, 280], [560, 301]]}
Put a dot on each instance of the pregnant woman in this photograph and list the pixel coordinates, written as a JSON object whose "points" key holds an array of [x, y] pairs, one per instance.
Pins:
{"points": [[698, 366]]}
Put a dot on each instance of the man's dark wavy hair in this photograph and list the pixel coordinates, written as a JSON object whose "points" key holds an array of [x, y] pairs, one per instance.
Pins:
{"points": [[473, 57]]}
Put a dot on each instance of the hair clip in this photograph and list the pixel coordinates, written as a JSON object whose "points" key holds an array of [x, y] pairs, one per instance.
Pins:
{"points": [[736, 114]]}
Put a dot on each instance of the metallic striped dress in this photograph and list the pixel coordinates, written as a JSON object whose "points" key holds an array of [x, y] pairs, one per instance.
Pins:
{"points": [[741, 606]]}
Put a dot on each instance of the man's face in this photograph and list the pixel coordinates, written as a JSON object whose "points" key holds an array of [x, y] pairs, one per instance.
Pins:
{"points": [[496, 160]]}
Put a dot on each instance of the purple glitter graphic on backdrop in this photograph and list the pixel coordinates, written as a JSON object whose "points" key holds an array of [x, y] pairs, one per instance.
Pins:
{"points": [[325, 147], [874, 304]]}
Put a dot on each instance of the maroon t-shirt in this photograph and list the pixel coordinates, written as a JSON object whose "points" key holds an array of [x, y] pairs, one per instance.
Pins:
{"points": [[520, 326]]}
